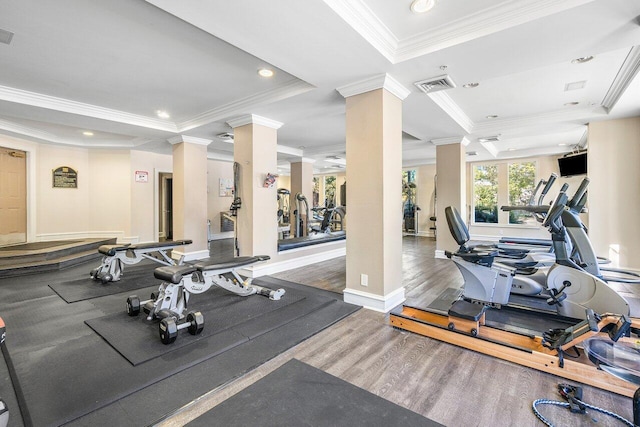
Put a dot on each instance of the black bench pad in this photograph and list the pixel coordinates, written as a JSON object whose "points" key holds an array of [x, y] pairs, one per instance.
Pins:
{"points": [[230, 263], [173, 273], [111, 250], [160, 245], [314, 239]]}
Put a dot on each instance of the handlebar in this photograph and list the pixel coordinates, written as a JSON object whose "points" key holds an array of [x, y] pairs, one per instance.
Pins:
{"points": [[556, 209], [547, 187], [575, 200]]}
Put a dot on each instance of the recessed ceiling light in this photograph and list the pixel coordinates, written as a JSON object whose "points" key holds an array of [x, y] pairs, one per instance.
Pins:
{"points": [[265, 72], [492, 116], [162, 114], [511, 149], [562, 144], [422, 6], [568, 104], [87, 133], [471, 85], [582, 60]]}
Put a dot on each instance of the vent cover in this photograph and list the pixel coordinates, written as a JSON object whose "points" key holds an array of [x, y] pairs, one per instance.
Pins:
{"points": [[226, 137], [435, 84], [489, 139], [5, 36]]}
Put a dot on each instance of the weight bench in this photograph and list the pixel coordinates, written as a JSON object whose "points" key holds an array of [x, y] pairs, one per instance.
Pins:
{"points": [[115, 256], [180, 281]]}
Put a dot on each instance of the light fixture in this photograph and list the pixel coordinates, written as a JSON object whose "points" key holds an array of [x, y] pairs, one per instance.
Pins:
{"points": [[582, 60], [471, 85], [569, 104], [493, 138], [492, 116], [562, 144], [422, 6], [87, 133], [511, 149], [265, 72], [162, 114]]}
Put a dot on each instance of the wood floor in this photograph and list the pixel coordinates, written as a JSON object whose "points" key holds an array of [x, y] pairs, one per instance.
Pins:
{"points": [[448, 384]]}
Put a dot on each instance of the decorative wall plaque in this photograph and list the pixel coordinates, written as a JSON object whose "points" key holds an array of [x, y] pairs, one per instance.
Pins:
{"points": [[65, 177]]}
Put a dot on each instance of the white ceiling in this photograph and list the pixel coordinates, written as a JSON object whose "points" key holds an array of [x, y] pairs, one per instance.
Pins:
{"points": [[107, 67]]}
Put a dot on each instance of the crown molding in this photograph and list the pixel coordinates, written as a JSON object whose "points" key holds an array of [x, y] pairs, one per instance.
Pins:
{"points": [[491, 148], [505, 15], [47, 137], [293, 88], [623, 79], [488, 21], [452, 109], [535, 120], [381, 81], [289, 150], [366, 23], [189, 139], [463, 140], [254, 119], [65, 105]]}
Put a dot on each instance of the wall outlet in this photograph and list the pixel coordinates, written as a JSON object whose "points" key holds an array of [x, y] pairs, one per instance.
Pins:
{"points": [[364, 280]]}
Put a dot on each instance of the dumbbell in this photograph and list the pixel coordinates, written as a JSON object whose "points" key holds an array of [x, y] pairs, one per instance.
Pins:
{"points": [[169, 327]]}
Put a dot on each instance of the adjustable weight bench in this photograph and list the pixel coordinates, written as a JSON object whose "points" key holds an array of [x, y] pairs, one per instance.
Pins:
{"points": [[116, 255], [180, 281]]}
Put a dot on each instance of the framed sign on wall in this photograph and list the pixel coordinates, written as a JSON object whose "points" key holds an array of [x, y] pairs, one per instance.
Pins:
{"points": [[65, 177]]}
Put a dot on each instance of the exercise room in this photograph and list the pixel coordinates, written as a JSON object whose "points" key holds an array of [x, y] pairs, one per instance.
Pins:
{"points": [[322, 213]]}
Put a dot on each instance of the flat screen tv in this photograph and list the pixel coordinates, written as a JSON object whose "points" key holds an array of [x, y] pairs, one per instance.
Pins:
{"points": [[573, 164]]}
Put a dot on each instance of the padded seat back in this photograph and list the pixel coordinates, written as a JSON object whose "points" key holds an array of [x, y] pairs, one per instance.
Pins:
{"points": [[457, 227]]}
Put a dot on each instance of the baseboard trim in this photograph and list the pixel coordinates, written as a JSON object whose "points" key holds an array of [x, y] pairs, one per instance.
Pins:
{"points": [[190, 256], [374, 302], [439, 254], [46, 237], [263, 269]]}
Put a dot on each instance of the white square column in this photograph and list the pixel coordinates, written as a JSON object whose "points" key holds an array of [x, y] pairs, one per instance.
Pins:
{"points": [[374, 199], [255, 150], [190, 196], [450, 187]]}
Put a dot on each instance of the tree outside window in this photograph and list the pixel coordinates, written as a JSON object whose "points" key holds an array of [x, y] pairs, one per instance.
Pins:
{"points": [[485, 193], [330, 191], [522, 178]]}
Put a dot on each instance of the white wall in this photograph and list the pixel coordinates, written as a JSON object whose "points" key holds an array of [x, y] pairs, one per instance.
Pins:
{"points": [[614, 191]]}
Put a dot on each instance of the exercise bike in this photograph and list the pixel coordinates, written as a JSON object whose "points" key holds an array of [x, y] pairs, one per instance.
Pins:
{"points": [[570, 288]]}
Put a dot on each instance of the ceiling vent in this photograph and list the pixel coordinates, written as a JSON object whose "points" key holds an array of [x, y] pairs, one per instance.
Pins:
{"points": [[435, 84], [226, 137], [472, 153], [5, 36], [489, 139], [333, 157]]}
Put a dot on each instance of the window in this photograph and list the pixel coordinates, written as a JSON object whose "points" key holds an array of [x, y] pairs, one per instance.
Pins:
{"points": [[329, 191], [522, 178], [316, 191], [499, 184], [485, 193]]}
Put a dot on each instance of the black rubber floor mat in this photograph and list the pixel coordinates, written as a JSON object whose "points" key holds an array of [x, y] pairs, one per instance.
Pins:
{"points": [[69, 374], [87, 288], [138, 341], [299, 394]]}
